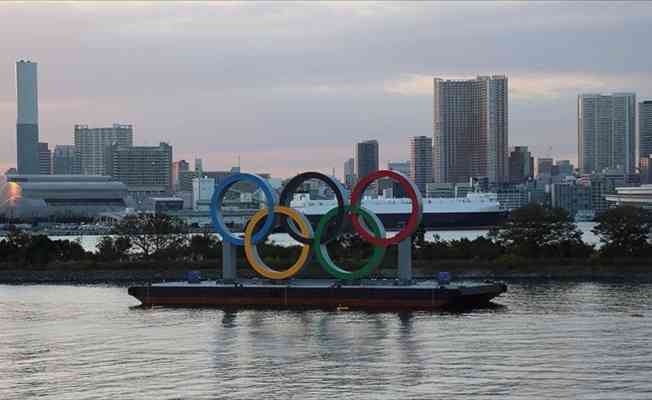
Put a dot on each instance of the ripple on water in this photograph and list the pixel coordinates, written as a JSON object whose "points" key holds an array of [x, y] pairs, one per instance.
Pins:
{"points": [[552, 340]]}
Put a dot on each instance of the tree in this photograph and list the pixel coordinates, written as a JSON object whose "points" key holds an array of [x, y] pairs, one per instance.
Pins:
{"points": [[624, 231], [534, 230], [155, 236], [111, 249]]}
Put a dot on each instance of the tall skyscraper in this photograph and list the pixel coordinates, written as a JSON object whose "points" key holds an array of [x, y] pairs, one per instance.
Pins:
{"points": [[27, 151], [366, 158], [645, 129], [421, 161], [63, 160], [606, 132], [44, 159], [146, 169], [470, 125], [349, 173], [91, 145], [521, 164]]}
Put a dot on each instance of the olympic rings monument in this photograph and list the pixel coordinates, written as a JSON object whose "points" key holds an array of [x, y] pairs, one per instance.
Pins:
{"points": [[346, 288]]}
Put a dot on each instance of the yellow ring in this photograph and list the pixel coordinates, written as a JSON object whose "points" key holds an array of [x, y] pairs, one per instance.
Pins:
{"points": [[251, 252]]}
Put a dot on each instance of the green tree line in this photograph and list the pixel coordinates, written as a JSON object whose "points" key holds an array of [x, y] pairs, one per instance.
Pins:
{"points": [[531, 232]]}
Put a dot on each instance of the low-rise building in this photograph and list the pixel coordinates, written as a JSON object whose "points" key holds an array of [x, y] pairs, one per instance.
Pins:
{"points": [[38, 197]]}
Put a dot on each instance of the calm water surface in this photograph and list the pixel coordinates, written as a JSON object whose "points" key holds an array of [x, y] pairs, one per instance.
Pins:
{"points": [[554, 340]]}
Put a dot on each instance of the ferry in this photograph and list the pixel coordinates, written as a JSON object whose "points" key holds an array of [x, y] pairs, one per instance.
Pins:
{"points": [[475, 211]]}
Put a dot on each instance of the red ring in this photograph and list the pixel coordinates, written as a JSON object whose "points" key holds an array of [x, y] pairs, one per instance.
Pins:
{"points": [[415, 216]]}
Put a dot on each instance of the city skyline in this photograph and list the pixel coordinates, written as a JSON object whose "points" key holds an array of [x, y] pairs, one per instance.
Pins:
{"points": [[180, 76]]}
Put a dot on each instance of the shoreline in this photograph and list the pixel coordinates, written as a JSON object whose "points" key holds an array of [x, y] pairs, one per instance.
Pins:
{"points": [[153, 272]]}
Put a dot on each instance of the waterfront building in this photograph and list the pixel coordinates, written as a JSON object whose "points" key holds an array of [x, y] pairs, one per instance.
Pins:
{"points": [[572, 197], [564, 168], [397, 191], [521, 164], [146, 170], [63, 160], [202, 192], [178, 169], [44, 159], [421, 161], [366, 158], [37, 197], [645, 129], [349, 173], [91, 146], [27, 135], [645, 169], [606, 132], [545, 167], [470, 124]]}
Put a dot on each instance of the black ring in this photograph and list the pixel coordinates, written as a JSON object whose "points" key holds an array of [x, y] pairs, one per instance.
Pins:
{"points": [[334, 229]]}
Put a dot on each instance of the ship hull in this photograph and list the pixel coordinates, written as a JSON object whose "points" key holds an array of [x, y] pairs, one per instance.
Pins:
{"points": [[322, 294], [439, 221]]}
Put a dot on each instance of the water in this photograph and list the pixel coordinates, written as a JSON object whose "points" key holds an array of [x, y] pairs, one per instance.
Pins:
{"points": [[89, 242], [550, 340]]}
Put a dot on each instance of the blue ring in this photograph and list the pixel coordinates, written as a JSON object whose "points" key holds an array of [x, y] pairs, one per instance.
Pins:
{"points": [[216, 204]]}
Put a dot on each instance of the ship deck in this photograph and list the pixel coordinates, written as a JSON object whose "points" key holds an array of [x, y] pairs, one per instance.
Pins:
{"points": [[382, 294]]}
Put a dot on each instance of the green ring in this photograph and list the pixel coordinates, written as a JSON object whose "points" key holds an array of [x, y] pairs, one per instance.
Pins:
{"points": [[321, 251]]}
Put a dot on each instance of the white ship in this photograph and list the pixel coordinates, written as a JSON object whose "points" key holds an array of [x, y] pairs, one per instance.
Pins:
{"points": [[476, 210]]}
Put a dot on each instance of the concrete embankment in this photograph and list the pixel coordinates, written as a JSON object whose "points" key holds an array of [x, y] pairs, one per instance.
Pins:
{"points": [[144, 272]]}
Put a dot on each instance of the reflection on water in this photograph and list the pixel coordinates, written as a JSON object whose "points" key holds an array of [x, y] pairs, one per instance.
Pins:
{"points": [[552, 340]]}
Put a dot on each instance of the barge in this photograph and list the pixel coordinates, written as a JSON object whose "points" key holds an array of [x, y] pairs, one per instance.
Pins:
{"points": [[378, 295]]}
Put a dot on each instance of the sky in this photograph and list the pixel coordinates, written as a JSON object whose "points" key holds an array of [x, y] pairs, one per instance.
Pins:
{"points": [[290, 87]]}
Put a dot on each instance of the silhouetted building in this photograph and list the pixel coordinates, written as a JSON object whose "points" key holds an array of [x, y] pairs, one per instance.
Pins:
{"points": [[471, 129], [366, 158], [63, 160], [91, 145], [421, 161], [44, 159], [606, 131], [645, 128], [27, 149], [144, 169], [521, 164]]}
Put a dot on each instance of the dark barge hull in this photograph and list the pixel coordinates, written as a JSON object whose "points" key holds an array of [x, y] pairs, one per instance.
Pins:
{"points": [[324, 294]]}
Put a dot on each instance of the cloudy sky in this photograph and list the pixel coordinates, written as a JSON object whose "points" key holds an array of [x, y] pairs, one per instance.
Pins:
{"points": [[292, 86]]}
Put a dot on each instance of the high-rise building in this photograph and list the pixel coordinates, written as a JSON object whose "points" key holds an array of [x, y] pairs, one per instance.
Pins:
{"points": [[44, 159], [179, 174], [27, 150], [366, 158], [521, 164], [91, 146], [544, 166], [349, 172], [470, 138], [565, 167], [606, 132], [63, 160], [421, 161], [145, 169], [645, 129], [199, 167]]}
